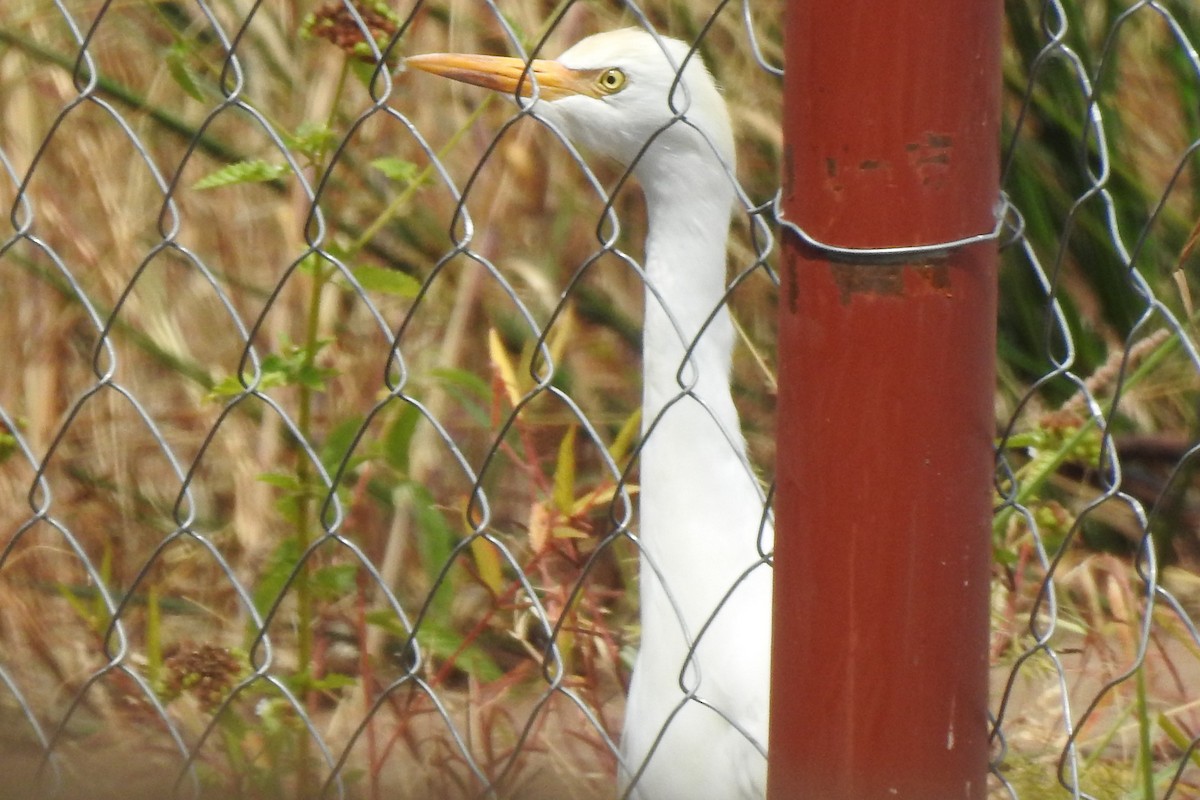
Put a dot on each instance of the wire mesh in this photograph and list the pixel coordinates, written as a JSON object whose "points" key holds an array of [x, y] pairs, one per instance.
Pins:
{"points": [[320, 444], [1095, 642], [321, 440]]}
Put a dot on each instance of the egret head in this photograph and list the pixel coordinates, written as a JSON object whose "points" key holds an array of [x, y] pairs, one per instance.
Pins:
{"points": [[612, 93]]}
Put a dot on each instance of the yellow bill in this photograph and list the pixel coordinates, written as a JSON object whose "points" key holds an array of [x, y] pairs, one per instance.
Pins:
{"points": [[505, 74]]}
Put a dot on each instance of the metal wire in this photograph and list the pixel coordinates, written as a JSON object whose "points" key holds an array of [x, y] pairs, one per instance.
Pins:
{"points": [[1102, 400], [896, 254], [256, 599], [338, 389]]}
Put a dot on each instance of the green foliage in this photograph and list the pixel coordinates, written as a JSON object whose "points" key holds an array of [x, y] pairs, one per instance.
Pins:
{"points": [[447, 644], [330, 582], [334, 581], [564, 472], [252, 171], [8, 445], [435, 544], [262, 750], [1057, 164], [312, 140], [397, 169], [294, 367], [337, 444], [178, 57], [397, 438], [387, 281], [276, 573], [443, 644]]}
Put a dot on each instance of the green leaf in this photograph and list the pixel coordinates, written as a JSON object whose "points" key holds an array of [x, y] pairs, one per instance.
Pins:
{"points": [[397, 169], [332, 681], [253, 171], [564, 473], [281, 480], [446, 643], [312, 376], [389, 281], [79, 605], [1178, 736], [626, 437], [229, 386], [472, 392], [362, 70], [338, 443], [488, 564], [272, 378], [397, 439], [8, 445], [276, 574], [1004, 556], [386, 620], [335, 581], [463, 383], [435, 542], [292, 368], [177, 66], [312, 139]]}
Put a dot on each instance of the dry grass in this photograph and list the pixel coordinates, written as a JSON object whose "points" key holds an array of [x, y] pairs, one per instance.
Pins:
{"points": [[104, 497]]}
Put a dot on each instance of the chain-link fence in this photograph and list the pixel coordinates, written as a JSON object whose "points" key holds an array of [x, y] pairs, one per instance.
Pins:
{"points": [[321, 440], [329, 486], [1095, 641]]}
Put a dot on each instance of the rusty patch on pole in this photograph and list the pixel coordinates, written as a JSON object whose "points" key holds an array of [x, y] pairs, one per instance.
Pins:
{"points": [[886, 280], [852, 279], [935, 275], [930, 158]]}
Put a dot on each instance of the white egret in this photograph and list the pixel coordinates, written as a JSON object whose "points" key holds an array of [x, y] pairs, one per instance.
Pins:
{"points": [[696, 716]]}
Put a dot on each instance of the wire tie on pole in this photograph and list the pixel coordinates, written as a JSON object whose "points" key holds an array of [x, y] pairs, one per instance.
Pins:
{"points": [[900, 254]]}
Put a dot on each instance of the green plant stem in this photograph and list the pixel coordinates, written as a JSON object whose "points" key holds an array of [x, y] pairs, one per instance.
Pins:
{"points": [[305, 523], [1145, 747], [1031, 483], [304, 478]]}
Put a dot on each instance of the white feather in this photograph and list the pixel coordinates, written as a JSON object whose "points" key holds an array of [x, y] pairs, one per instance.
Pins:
{"points": [[701, 509]]}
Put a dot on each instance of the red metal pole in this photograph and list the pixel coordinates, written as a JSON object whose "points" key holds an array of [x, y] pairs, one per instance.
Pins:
{"points": [[883, 509]]}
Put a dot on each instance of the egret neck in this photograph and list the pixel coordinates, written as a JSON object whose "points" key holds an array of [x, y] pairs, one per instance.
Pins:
{"points": [[696, 714]]}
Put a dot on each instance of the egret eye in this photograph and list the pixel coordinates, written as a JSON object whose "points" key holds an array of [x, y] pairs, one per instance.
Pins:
{"points": [[611, 80]]}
